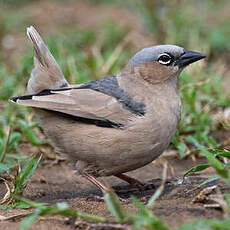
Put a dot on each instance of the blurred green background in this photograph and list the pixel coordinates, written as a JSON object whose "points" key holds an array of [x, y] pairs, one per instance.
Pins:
{"points": [[93, 38]]}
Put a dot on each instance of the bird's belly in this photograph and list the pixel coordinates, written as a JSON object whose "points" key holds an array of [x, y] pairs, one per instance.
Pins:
{"points": [[107, 151]]}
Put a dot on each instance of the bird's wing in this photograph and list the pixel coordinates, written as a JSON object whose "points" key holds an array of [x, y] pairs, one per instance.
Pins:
{"points": [[79, 102]]}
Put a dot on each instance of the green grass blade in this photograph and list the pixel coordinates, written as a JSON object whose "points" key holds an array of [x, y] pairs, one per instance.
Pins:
{"points": [[25, 175], [42, 209], [114, 206], [29, 133], [213, 178], [197, 168], [29, 220], [6, 167], [222, 153], [142, 208], [216, 164]]}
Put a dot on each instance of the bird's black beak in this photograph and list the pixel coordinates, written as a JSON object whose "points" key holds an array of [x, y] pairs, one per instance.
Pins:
{"points": [[189, 57]]}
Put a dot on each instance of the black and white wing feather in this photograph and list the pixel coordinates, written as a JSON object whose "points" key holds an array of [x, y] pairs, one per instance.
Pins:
{"points": [[100, 100]]}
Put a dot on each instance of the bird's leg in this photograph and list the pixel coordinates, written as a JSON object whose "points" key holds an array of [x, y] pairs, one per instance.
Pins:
{"points": [[98, 184], [102, 187], [132, 181]]}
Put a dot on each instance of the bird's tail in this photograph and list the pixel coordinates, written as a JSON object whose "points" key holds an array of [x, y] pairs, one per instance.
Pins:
{"points": [[46, 73]]}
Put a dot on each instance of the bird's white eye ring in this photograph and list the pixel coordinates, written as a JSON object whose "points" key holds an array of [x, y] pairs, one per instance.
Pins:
{"points": [[165, 59]]}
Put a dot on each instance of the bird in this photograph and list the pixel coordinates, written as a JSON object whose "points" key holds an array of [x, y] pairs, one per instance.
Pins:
{"points": [[115, 124]]}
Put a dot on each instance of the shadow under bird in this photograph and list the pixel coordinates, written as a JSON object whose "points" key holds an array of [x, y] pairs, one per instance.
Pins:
{"points": [[115, 124]]}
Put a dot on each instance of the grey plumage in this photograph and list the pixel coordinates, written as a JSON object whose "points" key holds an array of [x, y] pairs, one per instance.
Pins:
{"points": [[115, 124], [109, 86], [152, 53]]}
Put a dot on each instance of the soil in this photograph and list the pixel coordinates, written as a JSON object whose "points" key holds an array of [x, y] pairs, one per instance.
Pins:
{"points": [[58, 183]]}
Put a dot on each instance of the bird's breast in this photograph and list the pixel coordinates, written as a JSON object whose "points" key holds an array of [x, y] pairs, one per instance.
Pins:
{"points": [[160, 121]]}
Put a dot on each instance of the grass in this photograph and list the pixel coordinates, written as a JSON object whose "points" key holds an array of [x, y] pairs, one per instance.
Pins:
{"points": [[85, 54]]}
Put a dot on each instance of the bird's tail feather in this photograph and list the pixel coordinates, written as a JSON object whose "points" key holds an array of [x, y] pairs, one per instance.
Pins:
{"points": [[46, 73]]}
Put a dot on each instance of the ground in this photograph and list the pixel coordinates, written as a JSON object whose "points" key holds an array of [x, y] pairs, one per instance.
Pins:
{"points": [[58, 183]]}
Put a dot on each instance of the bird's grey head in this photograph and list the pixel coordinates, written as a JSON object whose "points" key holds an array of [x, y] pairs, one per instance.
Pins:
{"points": [[156, 64], [168, 55]]}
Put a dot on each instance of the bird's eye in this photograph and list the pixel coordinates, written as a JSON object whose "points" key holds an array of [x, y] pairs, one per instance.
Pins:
{"points": [[165, 59]]}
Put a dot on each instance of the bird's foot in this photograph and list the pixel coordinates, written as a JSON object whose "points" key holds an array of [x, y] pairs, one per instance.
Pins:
{"points": [[135, 184], [103, 188], [96, 198], [102, 199]]}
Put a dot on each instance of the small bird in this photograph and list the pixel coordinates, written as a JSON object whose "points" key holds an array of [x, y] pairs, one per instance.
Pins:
{"points": [[115, 124]]}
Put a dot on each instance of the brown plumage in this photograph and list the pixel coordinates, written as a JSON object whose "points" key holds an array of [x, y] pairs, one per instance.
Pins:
{"points": [[113, 125]]}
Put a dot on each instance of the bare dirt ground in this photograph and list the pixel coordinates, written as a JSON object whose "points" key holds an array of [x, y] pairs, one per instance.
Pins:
{"points": [[58, 183]]}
